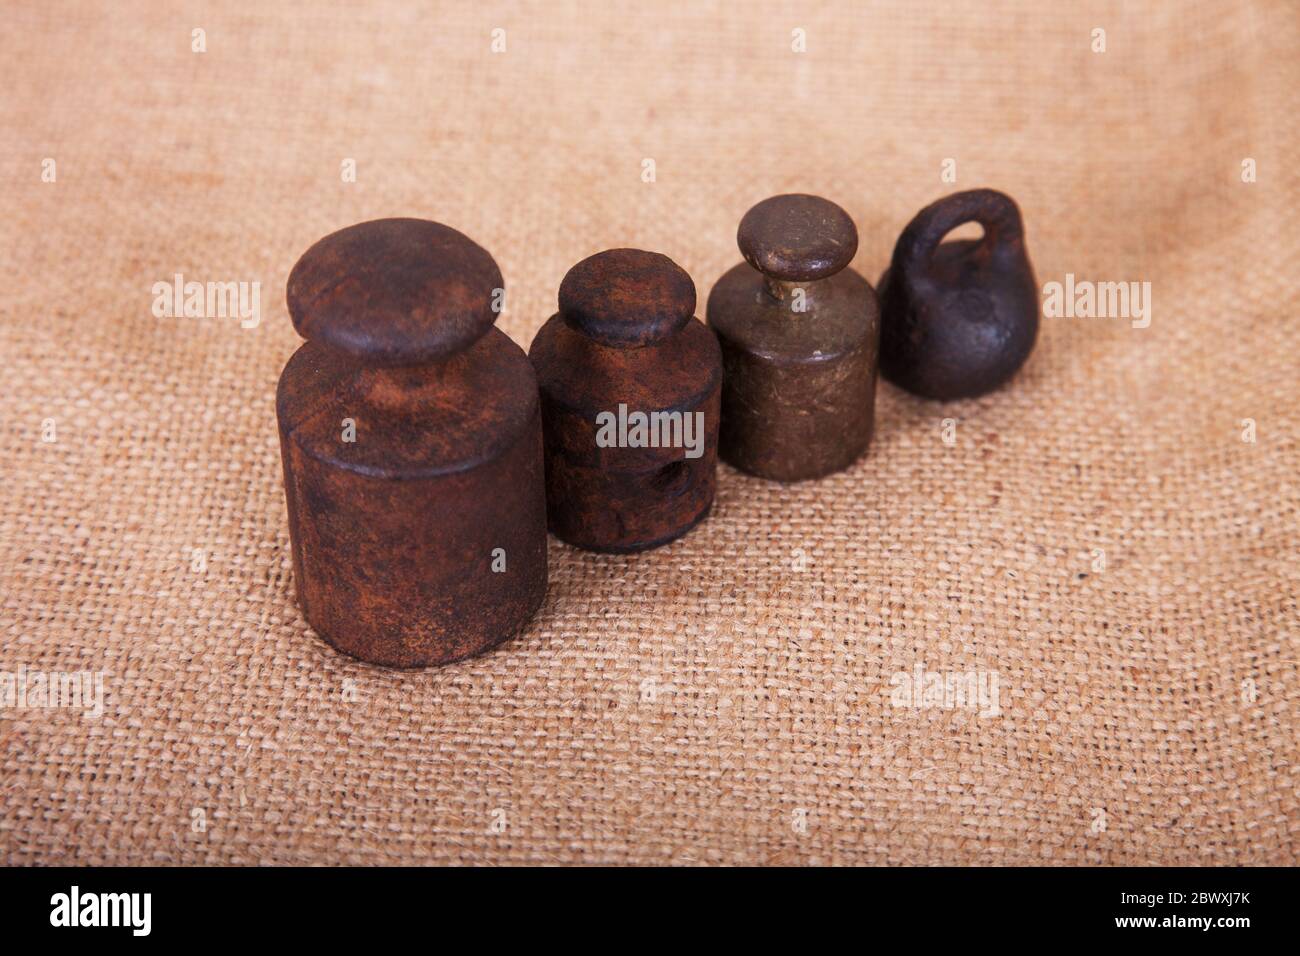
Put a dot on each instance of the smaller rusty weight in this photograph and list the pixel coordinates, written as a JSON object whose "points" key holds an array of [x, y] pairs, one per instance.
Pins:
{"points": [[799, 332], [624, 343], [961, 317], [410, 434]]}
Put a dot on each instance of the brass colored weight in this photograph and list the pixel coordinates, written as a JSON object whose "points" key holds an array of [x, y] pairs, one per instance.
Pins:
{"points": [[799, 332]]}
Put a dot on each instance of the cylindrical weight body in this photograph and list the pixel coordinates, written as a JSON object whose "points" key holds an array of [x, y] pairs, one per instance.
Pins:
{"points": [[798, 396], [415, 495], [631, 435]]}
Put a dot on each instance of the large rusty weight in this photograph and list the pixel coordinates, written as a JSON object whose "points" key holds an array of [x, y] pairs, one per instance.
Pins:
{"points": [[626, 343], [799, 332], [960, 317], [410, 434]]}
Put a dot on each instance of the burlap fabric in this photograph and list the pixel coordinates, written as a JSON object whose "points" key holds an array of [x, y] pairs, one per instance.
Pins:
{"points": [[1102, 536]]}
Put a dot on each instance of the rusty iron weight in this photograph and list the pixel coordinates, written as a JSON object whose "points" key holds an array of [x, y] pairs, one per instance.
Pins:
{"points": [[411, 439], [960, 317], [625, 343], [799, 332]]}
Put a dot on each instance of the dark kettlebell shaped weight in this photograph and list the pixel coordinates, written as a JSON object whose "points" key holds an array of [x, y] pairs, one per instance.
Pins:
{"points": [[960, 317], [630, 383], [411, 438], [800, 335]]}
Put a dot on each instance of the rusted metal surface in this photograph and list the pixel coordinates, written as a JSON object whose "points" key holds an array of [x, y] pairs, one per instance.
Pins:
{"points": [[959, 318], [423, 541], [394, 292], [799, 332], [627, 298], [626, 336]]}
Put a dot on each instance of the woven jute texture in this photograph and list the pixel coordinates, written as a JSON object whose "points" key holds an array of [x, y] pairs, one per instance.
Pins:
{"points": [[1112, 537]]}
